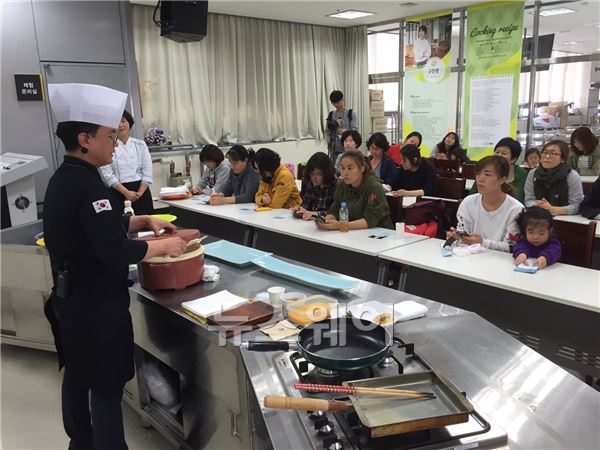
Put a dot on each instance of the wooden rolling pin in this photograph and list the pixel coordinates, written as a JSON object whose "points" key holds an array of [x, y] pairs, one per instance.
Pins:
{"points": [[304, 404]]}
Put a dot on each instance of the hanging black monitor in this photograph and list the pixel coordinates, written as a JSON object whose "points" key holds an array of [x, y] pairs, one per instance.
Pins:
{"points": [[545, 44], [183, 21]]}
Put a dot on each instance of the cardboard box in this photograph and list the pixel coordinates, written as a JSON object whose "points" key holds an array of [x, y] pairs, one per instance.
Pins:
{"points": [[375, 94], [376, 108], [379, 124]]}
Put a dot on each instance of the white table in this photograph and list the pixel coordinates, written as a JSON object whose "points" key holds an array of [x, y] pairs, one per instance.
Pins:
{"points": [[281, 221], [562, 283], [556, 311], [588, 179], [279, 232], [579, 219], [354, 253]]}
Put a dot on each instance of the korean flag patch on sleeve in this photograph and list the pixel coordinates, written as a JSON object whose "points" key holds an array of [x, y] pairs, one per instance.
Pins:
{"points": [[101, 205]]}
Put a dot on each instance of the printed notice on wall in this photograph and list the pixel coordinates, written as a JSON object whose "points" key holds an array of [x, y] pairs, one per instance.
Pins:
{"points": [[490, 109]]}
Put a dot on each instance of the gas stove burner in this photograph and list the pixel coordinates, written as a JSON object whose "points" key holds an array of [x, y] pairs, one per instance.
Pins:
{"points": [[388, 361], [326, 373]]}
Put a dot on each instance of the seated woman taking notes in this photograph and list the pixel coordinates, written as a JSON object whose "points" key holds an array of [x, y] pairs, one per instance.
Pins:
{"points": [[319, 186], [216, 171], [243, 180], [490, 217], [277, 187], [363, 194]]}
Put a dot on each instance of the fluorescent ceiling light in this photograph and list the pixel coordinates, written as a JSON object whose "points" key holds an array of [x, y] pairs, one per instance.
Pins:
{"points": [[571, 43], [555, 11], [350, 14]]}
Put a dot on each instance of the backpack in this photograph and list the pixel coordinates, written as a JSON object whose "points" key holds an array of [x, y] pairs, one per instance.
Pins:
{"points": [[330, 116]]}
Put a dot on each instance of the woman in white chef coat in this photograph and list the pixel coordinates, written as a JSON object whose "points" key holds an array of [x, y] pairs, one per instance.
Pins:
{"points": [[422, 47], [130, 173]]}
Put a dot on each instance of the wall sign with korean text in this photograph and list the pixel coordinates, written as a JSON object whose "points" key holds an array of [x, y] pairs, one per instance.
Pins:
{"points": [[29, 87]]}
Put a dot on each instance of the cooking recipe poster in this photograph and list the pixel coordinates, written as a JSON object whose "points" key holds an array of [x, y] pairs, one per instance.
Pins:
{"points": [[493, 65], [427, 76]]}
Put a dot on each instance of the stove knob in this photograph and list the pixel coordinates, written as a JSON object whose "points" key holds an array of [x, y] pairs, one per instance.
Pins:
{"points": [[313, 415], [332, 443], [327, 428], [320, 421]]}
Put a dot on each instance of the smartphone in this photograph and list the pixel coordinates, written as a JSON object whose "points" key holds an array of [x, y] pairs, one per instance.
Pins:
{"points": [[298, 214], [449, 242], [462, 233], [319, 219]]}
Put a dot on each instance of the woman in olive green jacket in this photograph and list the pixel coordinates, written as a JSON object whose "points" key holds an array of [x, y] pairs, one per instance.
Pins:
{"points": [[585, 152], [363, 194]]}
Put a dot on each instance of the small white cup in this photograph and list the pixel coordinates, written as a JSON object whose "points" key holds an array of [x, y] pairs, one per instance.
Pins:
{"points": [[275, 293], [399, 230]]}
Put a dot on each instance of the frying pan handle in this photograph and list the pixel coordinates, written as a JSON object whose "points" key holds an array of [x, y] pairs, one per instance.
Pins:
{"points": [[304, 404], [267, 346]]}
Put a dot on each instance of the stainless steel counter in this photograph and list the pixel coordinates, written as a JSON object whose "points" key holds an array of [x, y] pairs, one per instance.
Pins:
{"points": [[538, 404], [219, 406]]}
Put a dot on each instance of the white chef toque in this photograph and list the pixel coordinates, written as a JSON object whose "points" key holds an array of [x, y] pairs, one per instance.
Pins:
{"points": [[90, 103]]}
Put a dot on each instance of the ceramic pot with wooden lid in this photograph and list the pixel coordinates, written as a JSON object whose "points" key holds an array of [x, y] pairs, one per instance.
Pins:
{"points": [[164, 272]]}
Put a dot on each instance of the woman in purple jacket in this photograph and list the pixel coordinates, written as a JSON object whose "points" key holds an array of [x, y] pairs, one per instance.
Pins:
{"points": [[536, 238]]}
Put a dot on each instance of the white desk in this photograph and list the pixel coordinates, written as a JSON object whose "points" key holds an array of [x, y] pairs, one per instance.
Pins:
{"points": [[579, 219], [588, 179], [562, 283], [281, 221], [277, 231]]}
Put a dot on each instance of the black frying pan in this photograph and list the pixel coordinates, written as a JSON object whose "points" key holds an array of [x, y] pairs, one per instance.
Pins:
{"points": [[336, 344]]}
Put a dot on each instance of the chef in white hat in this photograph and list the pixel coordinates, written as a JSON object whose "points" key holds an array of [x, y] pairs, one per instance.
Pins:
{"points": [[90, 256]]}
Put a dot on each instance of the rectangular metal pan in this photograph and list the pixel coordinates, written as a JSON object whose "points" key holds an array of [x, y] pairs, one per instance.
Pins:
{"points": [[386, 416]]}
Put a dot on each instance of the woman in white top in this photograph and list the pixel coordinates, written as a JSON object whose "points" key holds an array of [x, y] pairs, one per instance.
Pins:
{"points": [[422, 47], [489, 217], [130, 173]]}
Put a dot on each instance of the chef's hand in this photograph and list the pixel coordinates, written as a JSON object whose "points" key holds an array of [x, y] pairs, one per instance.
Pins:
{"points": [[173, 247], [399, 193], [154, 224], [330, 224], [543, 203], [266, 199], [195, 190], [217, 194]]}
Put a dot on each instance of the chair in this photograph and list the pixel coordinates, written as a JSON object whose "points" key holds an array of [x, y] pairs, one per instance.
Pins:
{"points": [[445, 174], [467, 171], [576, 241], [396, 209], [445, 165], [587, 186], [453, 188]]}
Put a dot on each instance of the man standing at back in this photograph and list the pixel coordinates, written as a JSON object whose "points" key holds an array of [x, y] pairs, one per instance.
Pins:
{"points": [[338, 121]]}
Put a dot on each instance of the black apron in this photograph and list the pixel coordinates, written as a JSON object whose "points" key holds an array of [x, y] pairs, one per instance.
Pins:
{"points": [[141, 207], [93, 334]]}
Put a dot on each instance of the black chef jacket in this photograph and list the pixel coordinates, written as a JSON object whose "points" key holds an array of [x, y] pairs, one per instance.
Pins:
{"points": [[86, 235]]}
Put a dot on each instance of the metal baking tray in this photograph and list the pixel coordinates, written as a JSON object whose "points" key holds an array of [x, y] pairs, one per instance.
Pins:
{"points": [[386, 416]]}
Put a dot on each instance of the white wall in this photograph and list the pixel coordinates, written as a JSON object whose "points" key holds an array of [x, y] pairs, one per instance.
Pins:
{"points": [[294, 152]]}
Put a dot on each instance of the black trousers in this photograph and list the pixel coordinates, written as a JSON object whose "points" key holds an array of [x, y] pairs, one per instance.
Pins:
{"points": [[92, 422]]}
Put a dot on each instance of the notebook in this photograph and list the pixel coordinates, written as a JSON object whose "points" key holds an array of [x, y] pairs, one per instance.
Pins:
{"points": [[203, 307]]}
